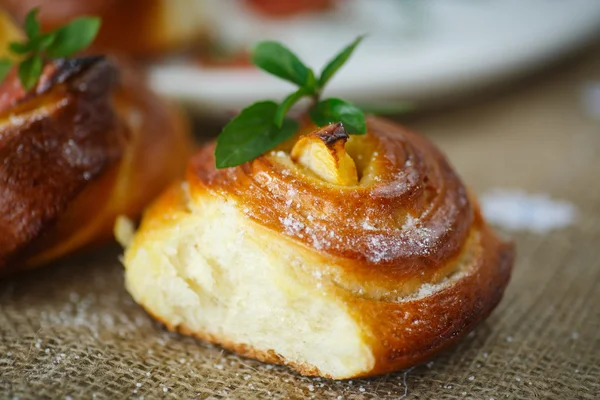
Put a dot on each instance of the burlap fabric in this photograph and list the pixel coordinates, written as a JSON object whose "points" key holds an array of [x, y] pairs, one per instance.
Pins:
{"points": [[71, 330]]}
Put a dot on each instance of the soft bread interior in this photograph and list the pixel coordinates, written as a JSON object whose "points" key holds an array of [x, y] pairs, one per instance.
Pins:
{"points": [[212, 272]]}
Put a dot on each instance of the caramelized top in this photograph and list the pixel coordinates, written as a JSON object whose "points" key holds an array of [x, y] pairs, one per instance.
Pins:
{"points": [[409, 213], [53, 140], [54, 73]]}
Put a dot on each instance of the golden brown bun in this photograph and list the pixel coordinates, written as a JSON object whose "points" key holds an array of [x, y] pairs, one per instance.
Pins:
{"points": [[271, 260], [134, 27], [86, 145]]}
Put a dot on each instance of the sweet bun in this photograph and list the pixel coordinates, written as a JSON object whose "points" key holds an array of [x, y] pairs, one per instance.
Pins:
{"points": [[339, 256], [133, 27], [87, 144]]}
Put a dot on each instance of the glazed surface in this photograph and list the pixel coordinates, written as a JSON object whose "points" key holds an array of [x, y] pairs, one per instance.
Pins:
{"points": [[410, 213], [88, 143], [54, 140]]}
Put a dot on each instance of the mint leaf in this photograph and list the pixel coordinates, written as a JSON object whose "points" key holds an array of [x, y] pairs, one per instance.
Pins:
{"points": [[40, 43], [250, 134], [287, 103], [46, 40], [5, 66], [263, 125], [20, 48], [29, 72], [278, 60], [32, 26], [336, 110], [75, 36], [38, 46], [337, 62]]}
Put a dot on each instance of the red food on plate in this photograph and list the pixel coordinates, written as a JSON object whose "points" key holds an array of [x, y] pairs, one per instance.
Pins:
{"points": [[287, 8]]}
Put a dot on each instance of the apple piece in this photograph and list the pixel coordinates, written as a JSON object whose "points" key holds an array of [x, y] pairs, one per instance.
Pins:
{"points": [[323, 152]]}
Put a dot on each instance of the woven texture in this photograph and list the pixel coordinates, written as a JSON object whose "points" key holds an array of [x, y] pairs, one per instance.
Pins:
{"points": [[71, 330]]}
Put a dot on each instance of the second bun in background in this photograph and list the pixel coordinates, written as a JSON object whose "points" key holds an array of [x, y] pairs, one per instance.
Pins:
{"points": [[140, 28], [89, 143]]}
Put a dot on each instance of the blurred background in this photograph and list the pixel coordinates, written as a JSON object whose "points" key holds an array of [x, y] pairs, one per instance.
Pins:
{"points": [[508, 89], [418, 53]]}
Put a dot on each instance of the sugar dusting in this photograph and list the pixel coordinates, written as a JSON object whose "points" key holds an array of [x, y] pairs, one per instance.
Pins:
{"points": [[517, 210], [376, 237], [379, 245], [412, 235], [590, 99], [79, 312], [429, 289], [318, 234]]}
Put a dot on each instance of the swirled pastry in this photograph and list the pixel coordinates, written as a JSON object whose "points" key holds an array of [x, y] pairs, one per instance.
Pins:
{"points": [[338, 256], [85, 145]]}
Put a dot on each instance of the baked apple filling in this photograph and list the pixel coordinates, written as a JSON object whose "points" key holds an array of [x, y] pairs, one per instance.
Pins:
{"points": [[323, 152]]}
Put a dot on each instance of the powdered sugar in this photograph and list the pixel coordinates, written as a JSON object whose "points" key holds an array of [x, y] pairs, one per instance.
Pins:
{"points": [[291, 194], [77, 313], [318, 233], [429, 289], [518, 210], [366, 225], [411, 238], [292, 226], [590, 99], [377, 245], [378, 250]]}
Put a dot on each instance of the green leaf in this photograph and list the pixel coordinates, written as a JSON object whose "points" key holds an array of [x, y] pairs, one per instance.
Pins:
{"points": [[336, 110], [278, 60], [32, 26], [46, 40], [287, 103], [30, 71], [336, 63], [250, 134], [20, 48], [35, 45], [5, 66], [74, 37], [311, 83]]}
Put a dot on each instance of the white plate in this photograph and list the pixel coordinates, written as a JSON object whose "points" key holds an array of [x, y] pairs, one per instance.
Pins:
{"points": [[417, 50]]}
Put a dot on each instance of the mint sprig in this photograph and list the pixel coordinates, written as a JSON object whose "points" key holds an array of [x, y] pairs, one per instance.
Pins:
{"points": [[263, 125], [336, 110], [336, 63], [278, 60], [39, 47], [259, 134]]}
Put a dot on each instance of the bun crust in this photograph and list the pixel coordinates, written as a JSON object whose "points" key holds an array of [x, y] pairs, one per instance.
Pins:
{"points": [[356, 280], [75, 152]]}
